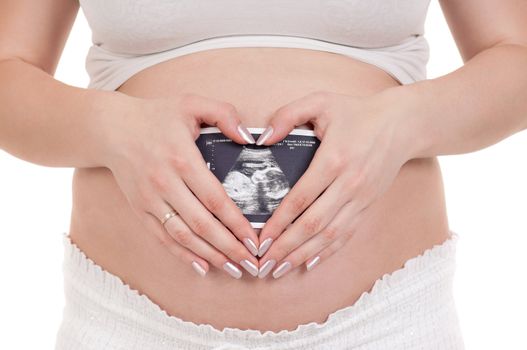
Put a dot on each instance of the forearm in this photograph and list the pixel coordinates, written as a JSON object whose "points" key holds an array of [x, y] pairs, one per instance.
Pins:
{"points": [[466, 110], [50, 123]]}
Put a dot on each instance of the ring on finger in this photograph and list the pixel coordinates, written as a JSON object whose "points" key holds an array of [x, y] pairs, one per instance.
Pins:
{"points": [[168, 216]]}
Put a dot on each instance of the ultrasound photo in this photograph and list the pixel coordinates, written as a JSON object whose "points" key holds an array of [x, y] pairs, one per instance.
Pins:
{"points": [[257, 178]]}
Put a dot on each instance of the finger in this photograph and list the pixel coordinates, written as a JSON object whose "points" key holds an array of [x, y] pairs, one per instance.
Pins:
{"points": [[152, 223], [217, 113], [312, 221], [326, 252], [333, 237], [338, 243], [320, 173], [182, 234], [311, 247], [328, 241], [211, 193], [309, 108], [205, 225]]}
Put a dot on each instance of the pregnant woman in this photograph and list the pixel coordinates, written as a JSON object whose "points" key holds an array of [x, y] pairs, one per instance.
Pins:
{"points": [[358, 255]]}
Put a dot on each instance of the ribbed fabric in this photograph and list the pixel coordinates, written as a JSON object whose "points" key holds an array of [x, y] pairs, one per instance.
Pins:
{"points": [[411, 308], [405, 61]]}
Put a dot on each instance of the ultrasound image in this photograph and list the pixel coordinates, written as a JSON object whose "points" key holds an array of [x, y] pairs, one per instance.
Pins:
{"points": [[257, 178], [256, 183]]}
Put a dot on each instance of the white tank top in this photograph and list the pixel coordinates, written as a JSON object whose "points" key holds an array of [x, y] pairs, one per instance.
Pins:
{"points": [[131, 35]]}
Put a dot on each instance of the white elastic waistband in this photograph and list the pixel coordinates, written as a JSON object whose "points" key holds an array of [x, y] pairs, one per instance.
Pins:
{"points": [[407, 309]]}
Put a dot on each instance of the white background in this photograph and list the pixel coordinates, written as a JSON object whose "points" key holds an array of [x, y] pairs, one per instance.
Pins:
{"points": [[486, 195]]}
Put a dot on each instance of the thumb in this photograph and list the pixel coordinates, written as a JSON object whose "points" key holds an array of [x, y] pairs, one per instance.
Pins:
{"points": [[220, 114], [306, 109]]}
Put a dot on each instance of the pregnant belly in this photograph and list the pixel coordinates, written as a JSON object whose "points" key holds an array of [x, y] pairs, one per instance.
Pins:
{"points": [[409, 218]]}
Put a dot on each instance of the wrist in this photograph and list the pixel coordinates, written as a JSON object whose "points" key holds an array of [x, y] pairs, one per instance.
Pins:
{"points": [[107, 118], [411, 132]]}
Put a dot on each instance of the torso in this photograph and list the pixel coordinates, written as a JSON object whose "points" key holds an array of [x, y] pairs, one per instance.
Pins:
{"points": [[409, 218]]}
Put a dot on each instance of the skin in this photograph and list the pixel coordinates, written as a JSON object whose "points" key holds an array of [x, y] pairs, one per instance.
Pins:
{"points": [[94, 129]]}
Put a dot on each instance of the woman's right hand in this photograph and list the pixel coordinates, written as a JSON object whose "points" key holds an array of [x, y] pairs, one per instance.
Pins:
{"points": [[153, 156]]}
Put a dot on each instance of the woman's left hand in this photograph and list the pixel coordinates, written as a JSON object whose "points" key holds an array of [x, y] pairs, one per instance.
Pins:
{"points": [[363, 146]]}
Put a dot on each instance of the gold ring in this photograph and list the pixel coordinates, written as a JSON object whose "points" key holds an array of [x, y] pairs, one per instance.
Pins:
{"points": [[167, 216]]}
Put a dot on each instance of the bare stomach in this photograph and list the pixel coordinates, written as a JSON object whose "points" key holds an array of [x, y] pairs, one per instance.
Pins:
{"points": [[409, 218]]}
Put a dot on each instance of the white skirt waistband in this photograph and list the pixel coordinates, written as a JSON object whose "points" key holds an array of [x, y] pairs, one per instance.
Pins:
{"points": [[407, 309]]}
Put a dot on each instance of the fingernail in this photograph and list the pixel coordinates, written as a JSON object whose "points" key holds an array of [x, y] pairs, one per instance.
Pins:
{"points": [[199, 269], [232, 270], [283, 268], [264, 246], [242, 130], [312, 263], [249, 266], [264, 270], [251, 246], [264, 136]]}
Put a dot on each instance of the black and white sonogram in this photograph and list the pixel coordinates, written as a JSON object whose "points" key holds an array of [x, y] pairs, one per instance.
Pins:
{"points": [[257, 178]]}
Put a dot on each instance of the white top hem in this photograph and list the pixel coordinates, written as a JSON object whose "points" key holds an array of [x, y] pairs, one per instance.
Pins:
{"points": [[404, 62]]}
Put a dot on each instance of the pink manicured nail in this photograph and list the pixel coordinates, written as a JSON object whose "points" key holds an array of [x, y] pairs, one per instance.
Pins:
{"points": [[264, 246], [242, 130], [251, 246], [282, 269], [264, 136], [250, 267], [232, 270], [312, 263], [265, 268], [199, 269]]}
